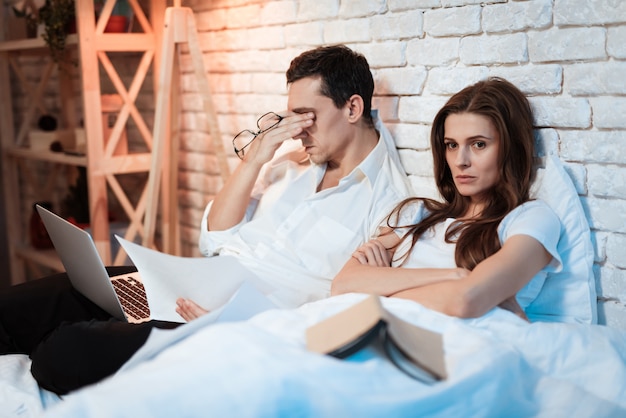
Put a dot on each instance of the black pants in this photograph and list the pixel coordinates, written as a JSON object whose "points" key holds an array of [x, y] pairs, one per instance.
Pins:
{"points": [[71, 341]]}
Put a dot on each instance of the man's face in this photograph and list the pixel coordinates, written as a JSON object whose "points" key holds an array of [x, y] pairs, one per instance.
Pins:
{"points": [[324, 140]]}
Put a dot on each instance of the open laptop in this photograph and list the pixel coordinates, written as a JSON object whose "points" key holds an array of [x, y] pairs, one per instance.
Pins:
{"points": [[122, 296]]}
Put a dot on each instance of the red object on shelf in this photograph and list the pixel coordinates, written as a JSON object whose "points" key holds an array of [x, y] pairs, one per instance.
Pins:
{"points": [[38, 235], [116, 24]]}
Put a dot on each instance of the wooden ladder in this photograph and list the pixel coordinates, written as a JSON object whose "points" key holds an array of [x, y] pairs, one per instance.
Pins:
{"points": [[179, 29]]}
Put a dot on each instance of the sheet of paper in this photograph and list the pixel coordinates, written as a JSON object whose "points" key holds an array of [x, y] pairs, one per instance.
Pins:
{"points": [[245, 303], [208, 281]]}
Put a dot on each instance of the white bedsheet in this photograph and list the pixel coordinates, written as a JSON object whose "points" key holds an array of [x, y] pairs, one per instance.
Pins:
{"points": [[497, 365]]}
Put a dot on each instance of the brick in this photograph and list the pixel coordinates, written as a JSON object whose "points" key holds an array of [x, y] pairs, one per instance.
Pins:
{"points": [[593, 146], [609, 112], [411, 135], [402, 81], [424, 187], [517, 16], [591, 79], [455, 3], [195, 141], [304, 34], [317, 9], [362, 8], [432, 51], [449, 80], [397, 25], [225, 40], [341, 31], [607, 181], [278, 12], [210, 20], [383, 54], [532, 79], [270, 83], [280, 59], [607, 214], [567, 44], [227, 83], [265, 37], [561, 112], [615, 46], [201, 181], [494, 49], [400, 5], [420, 109], [417, 162], [612, 281], [387, 107], [589, 12], [243, 17], [456, 21]]}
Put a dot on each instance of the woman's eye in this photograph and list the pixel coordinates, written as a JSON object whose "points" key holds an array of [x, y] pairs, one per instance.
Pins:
{"points": [[480, 144], [450, 145]]}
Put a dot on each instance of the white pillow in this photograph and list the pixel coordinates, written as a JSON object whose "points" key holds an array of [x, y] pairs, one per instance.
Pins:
{"points": [[570, 294]]}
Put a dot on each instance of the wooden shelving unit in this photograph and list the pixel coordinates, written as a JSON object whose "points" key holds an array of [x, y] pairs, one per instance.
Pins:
{"points": [[102, 160]]}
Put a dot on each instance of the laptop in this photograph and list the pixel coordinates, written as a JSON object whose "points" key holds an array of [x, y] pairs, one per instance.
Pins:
{"points": [[122, 296]]}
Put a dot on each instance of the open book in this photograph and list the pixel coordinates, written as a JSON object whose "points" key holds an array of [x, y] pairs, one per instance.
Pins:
{"points": [[414, 350]]}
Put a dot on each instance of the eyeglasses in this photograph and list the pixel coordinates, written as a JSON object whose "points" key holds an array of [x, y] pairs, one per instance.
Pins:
{"points": [[243, 139]]}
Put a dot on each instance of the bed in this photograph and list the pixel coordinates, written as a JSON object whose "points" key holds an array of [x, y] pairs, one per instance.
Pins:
{"points": [[497, 366], [563, 364]]}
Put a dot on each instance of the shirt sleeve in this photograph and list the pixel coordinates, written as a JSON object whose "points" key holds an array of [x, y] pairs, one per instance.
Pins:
{"points": [[210, 242], [537, 220]]}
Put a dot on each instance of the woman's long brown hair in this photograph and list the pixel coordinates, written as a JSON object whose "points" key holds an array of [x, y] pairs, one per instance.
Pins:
{"points": [[509, 111]]}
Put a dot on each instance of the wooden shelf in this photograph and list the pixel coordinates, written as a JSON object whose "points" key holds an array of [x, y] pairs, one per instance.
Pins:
{"points": [[53, 157], [105, 160], [47, 258], [33, 45]]}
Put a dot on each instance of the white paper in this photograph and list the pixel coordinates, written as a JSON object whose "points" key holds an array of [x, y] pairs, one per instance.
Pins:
{"points": [[208, 281]]}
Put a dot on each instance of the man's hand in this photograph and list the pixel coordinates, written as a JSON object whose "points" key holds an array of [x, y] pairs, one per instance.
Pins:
{"points": [[189, 309]]}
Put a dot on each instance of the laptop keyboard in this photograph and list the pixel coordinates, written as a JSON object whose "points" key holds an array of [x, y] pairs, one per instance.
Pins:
{"points": [[132, 296]]}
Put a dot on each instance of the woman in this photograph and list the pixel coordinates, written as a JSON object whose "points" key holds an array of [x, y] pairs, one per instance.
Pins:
{"points": [[486, 244]]}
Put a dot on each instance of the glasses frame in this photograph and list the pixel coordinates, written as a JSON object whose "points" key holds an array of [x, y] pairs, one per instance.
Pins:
{"points": [[241, 151]]}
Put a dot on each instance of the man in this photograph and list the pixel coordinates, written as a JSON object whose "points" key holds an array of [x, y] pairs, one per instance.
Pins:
{"points": [[294, 221]]}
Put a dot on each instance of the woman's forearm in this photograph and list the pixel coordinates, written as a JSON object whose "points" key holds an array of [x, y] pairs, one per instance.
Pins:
{"points": [[385, 281]]}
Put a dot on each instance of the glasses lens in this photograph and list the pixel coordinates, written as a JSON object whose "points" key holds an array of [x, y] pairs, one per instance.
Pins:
{"points": [[241, 141], [268, 121]]}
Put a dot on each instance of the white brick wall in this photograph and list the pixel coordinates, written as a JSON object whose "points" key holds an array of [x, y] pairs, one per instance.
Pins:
{"points": [[569, 56]]}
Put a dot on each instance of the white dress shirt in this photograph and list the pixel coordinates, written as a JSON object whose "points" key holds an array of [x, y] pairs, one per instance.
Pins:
{"points": [[296, 239]]}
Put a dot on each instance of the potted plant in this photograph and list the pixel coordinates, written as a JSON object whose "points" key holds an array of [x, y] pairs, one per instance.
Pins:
{"points": [[59, 19]]}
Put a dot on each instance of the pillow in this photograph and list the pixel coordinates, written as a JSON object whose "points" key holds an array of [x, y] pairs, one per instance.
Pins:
{"points": [[570, 294]]}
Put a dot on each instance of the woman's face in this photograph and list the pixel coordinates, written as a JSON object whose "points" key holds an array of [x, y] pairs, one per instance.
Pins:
{"points": [[472, 144]]}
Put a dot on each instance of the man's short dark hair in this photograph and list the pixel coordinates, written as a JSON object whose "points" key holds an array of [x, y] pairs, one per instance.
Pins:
{"points": [[343, 72]]}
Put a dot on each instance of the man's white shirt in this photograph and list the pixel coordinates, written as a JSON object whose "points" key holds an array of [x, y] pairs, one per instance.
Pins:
{"points": [[297, 240]]}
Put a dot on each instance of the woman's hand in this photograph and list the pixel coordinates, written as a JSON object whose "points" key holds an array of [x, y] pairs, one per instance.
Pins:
{"points": [[189, 309], [373, 253], [511, 304]]}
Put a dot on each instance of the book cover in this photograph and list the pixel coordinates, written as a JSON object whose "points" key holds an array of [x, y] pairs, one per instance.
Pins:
{"points": [[416, 351]]}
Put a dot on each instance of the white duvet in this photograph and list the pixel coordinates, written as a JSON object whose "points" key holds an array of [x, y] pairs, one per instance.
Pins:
{"points": [[497, 366]]}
